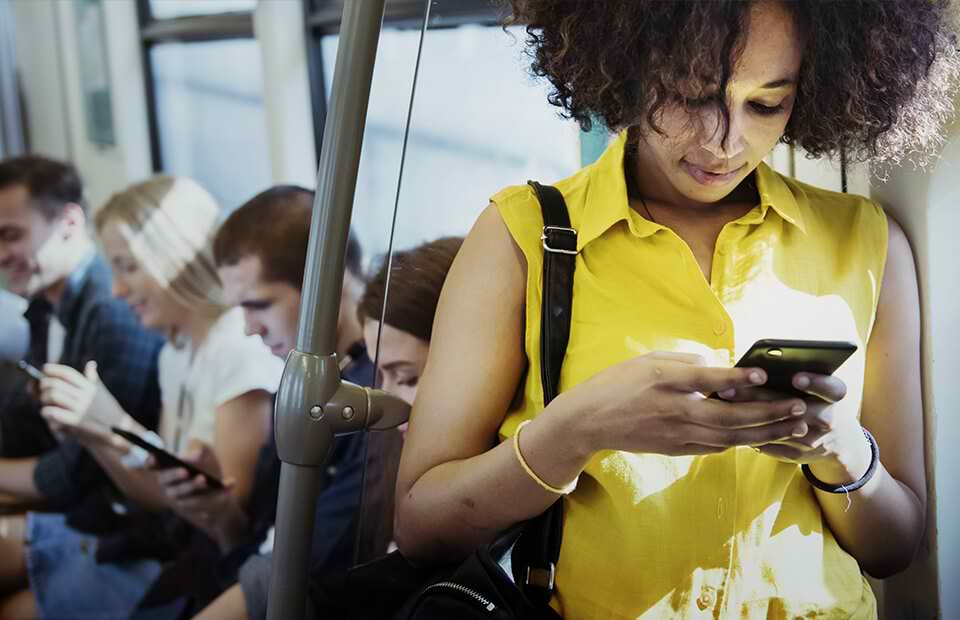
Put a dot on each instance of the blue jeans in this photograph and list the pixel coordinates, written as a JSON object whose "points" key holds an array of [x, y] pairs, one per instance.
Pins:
{"points": [[68, 582]]}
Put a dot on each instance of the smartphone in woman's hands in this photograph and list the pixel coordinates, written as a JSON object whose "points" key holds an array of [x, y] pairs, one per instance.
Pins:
{"points": [[782, 359]]}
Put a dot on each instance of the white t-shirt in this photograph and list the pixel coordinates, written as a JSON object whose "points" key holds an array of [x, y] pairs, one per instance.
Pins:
{"points": [[56, 336], [14, 330], [227, 364]]}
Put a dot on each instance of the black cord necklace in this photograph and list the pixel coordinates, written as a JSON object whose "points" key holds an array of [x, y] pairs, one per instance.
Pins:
{"points": [[634, 190], [644, 202]]}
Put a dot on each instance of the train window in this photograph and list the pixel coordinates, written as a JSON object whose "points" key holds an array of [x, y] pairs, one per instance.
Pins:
{"points": [[484, 123], [165, 9], [476, 116], [201, 89], [204, 80]]}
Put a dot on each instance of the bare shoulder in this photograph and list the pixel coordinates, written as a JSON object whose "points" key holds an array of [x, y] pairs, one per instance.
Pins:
{"points": [[892, 398], [490, 241], [480, 313], [476, 356], [900, 274], [898, 245], [486, 281]]}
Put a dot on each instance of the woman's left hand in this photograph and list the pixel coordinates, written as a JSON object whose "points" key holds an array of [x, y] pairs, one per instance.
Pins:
{"points": [[834, 447], [78, 404]]}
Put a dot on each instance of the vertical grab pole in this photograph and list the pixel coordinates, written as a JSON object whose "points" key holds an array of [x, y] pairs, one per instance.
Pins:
{"points": [[337, 176], [305, 420]]}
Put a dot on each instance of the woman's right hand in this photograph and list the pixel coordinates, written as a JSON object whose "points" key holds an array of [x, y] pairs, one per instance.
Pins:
{"points": [[657, 403], [215, 511], [78, 404]]}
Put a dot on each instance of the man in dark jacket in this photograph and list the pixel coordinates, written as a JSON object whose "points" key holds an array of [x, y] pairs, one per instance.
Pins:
{"points": [[48, 257]]}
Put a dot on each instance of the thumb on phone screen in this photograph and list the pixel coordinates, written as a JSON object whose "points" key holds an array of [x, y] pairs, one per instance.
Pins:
{"points": [[203, 456]]}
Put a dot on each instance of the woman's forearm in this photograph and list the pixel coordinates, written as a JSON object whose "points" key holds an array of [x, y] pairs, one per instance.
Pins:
{"points": [[107, 449], [884, 504], [128, 423], [880, 524], [458, 505], [138, 485]]}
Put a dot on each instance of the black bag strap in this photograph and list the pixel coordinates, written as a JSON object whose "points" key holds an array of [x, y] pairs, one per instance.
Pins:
{"points": [[559, 260], [541, 541]]}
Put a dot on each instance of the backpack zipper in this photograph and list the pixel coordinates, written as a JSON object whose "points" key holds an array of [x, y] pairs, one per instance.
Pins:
{"points": [[488, 605]]}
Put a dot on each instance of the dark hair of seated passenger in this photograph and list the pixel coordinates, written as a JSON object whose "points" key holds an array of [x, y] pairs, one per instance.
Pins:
{"points": [[51, 184], [274, 226], [416, 279]]}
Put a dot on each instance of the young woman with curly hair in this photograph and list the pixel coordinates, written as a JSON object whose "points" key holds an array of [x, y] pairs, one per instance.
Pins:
{"points": [[689, 250]]}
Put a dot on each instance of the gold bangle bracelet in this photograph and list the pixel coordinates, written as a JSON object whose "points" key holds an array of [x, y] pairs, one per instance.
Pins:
{"points": [[567, 490]]}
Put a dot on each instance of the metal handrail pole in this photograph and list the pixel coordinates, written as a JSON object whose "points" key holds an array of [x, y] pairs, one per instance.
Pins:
{"points": [[312, 404]]}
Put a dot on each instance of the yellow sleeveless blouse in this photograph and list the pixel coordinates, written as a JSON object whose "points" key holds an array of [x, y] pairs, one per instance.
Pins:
{"points": [[736, 534]]}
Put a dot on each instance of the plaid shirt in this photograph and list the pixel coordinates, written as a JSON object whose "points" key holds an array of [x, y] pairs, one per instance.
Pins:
{"points": [[98, 327]]}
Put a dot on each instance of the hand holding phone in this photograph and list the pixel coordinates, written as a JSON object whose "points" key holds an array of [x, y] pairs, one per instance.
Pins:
{"points": [[79, 403], [33, 375], [167, 460], [827, 427], [784, 359], [216, 511]]}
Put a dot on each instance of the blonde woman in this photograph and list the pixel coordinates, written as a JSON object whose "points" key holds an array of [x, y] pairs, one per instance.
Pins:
{"points": [[216, 386]]}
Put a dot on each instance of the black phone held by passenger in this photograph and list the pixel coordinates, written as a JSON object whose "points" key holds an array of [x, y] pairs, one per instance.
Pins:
{"points": [[31, 371], [166, 459], [782, 359]]}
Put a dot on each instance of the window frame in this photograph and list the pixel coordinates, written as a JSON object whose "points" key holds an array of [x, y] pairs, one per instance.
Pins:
{"points": [[187, 29], [322, 18]]}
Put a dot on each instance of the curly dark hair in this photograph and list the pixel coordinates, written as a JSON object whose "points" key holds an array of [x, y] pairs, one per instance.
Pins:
{"points": [[876, 81]]}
